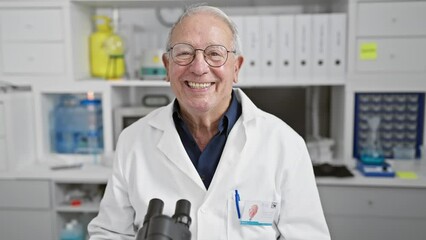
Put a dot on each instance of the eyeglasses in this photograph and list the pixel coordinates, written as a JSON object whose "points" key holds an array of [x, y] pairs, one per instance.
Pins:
{"points": [[183, 54]]}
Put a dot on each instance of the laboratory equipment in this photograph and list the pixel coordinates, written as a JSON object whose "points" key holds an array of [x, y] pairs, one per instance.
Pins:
{"points": [[78, 125], [98, 55], [73, 230], [372, 152], [152, 66], [402, 122], [157, 226]]}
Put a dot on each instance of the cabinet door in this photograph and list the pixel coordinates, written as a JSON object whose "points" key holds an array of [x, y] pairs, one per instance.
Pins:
{"points": [[393, 55], [355, 213], [392, 18], [31, 24], [41, 58], [26, 224], [17, 194]]}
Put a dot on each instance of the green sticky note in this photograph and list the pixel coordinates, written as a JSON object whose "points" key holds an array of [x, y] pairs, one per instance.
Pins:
{"points": [[406, 175], [368, 51]]}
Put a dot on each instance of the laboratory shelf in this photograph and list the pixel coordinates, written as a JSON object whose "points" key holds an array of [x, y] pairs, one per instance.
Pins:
{"points": [[84, 208]]}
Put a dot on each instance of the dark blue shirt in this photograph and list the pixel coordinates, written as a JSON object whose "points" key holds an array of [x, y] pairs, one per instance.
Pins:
{"points": [[206, 161]]}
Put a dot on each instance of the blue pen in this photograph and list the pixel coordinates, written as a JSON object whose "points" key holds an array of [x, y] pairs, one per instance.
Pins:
{"points": [[237, 203]]}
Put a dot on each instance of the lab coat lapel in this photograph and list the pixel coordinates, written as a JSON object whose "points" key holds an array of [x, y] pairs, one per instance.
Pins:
{"points": [[172, 147], [232, 153], [236, 142]]}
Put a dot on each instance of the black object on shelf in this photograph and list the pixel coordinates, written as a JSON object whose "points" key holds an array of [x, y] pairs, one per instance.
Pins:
{"points": [[328, 170]]}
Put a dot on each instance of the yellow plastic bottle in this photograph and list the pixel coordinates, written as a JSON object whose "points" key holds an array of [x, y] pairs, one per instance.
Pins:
{"points": [[106, 51]]}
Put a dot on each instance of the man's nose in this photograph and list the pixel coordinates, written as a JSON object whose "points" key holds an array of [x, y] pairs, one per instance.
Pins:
{"points": [[199, 66]]}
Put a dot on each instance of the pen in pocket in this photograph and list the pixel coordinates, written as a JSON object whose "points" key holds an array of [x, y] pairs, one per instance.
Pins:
{"points": [[237, 203]]}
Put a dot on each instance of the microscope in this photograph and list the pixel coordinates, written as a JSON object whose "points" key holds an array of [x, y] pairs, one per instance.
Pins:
{"points": [[157, 226]]}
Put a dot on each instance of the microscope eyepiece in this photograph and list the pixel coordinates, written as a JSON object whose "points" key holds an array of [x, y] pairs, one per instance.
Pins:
{"points": [[155, 207], [157, 226], [182, 210]]}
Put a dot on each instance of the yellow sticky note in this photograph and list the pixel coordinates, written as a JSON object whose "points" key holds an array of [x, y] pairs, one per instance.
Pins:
{"points": [[406, 175], [368, 51]]}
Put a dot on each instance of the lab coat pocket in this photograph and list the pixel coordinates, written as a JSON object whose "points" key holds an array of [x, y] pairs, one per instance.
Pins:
{"points": [[251, 219]]}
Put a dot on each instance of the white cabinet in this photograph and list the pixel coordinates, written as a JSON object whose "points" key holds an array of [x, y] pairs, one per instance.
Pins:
{"points": [[389, 18], [33, 42], [387, 49], [29, 24], [25, 210], [373, 212], [394, 55], [33, 58], [392, 41], [77, 200]]}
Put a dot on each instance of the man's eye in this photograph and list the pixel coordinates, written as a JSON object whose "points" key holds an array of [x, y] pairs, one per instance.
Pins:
{"points": [[214, 54], [183, 54]]}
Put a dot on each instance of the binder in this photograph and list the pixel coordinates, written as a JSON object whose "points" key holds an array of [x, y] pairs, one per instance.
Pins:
{"points": [[303, 46], [286, 50], [337, 45], [320, 49], [239, 23], [253, 51], [268, 42]]}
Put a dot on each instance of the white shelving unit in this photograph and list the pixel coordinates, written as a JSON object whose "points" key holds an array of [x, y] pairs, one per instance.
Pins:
{"points": [[66, 211]]}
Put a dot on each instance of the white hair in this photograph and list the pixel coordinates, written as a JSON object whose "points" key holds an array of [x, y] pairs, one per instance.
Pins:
{"points": [[196, 8]]}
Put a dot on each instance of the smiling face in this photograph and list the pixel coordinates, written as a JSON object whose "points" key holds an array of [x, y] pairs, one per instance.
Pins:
{"points": [[199, 88]]}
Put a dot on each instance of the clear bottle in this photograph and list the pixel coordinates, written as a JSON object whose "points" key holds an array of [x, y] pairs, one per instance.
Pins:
{"points": [[90, 136], [372, 153], [64, 124], [72, 231]]}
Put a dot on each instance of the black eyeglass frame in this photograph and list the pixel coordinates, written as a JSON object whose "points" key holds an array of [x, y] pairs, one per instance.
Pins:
{"points": [[199, 49]]}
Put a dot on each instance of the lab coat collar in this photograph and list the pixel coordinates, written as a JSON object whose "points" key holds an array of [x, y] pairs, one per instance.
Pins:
{"points": [[171, 145], [232, 152]]}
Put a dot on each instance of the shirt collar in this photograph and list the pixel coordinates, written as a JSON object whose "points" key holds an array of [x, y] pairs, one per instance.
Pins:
{"points": [[226, 122]]}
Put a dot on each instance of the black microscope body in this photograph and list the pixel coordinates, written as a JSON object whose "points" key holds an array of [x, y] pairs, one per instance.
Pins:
{"points": [[157, 226]]}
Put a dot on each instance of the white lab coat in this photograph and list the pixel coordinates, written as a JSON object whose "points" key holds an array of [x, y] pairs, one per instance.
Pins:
{"points": [[264, 159]]}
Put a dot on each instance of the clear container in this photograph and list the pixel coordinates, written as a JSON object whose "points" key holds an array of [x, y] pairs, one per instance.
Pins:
{"points": [[78, 126], [64, 124], [89, 138], [72, 231]]}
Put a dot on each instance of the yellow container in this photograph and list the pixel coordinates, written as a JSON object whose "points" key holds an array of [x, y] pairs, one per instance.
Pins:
{"points": [[106, 55]]}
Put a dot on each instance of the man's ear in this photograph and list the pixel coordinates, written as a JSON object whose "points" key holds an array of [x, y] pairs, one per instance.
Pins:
{"points": [[237, 66], [166, 62]]}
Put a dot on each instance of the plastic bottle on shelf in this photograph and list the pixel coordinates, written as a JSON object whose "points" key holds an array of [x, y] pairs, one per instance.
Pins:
{"points": [[90, 136], [114, 46], [72, 231], [98, 56], [64, 124]]}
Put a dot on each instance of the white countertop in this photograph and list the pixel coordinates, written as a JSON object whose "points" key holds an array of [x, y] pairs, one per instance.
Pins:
{"points": [[415, 166], [89, 173]]}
